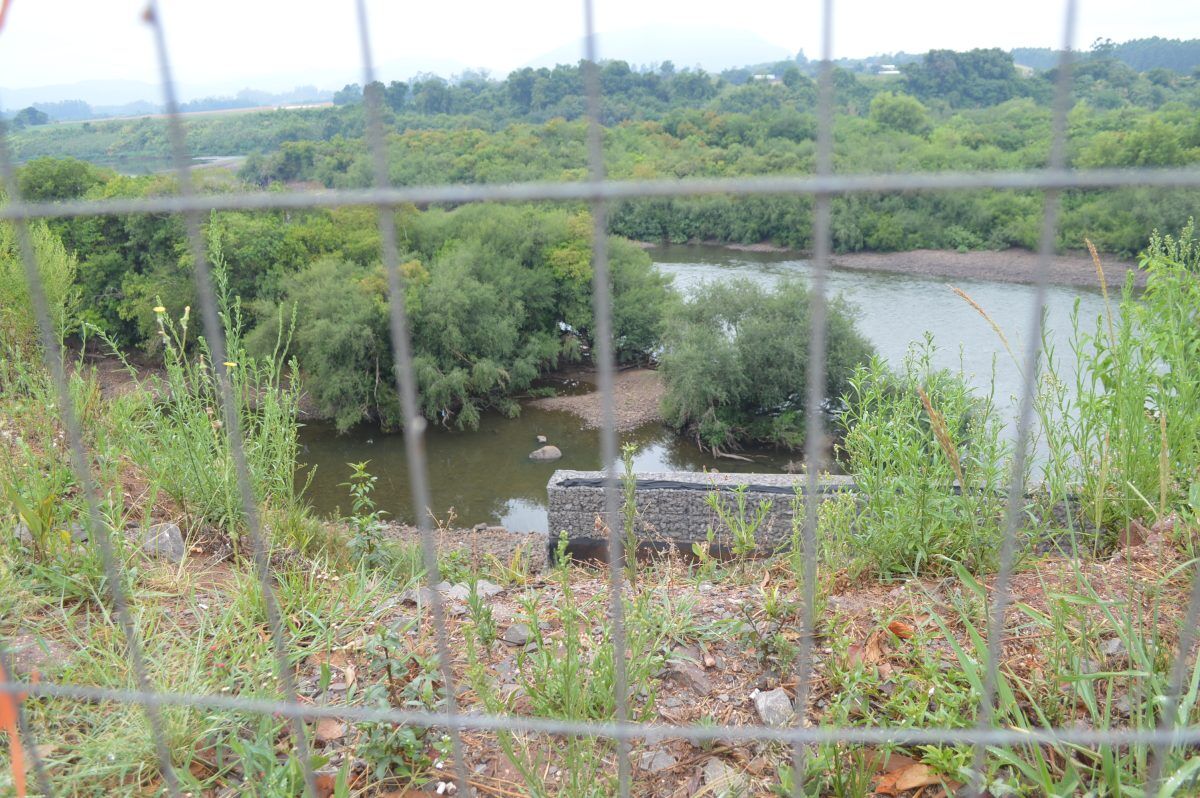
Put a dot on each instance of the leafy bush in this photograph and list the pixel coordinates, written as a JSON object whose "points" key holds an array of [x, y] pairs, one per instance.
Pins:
{"points": [[496, 295], [735, 362]]}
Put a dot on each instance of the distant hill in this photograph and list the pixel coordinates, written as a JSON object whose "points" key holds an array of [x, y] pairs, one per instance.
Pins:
{"points": [[713, 49], [1177, 55]]}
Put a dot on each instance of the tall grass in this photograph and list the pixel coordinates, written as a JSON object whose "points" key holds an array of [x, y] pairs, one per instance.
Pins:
{"points": [[174, 430], [929, 462], [1123, 431]]}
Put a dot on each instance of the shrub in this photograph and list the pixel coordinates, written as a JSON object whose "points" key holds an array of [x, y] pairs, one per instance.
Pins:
{"points": [[735, 362]]}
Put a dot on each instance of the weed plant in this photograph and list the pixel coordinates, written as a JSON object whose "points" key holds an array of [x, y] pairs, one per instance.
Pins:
{"points": [[930, 463]]}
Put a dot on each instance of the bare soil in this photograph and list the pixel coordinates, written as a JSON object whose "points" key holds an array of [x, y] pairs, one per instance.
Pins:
{"points": [[637, 394]]}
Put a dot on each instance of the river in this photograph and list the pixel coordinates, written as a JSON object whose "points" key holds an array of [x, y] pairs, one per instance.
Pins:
{"points": [[486, 476]]}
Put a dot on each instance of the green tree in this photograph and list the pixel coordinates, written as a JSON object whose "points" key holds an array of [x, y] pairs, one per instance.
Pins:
{"points": [[735, 362], [898, 111]]}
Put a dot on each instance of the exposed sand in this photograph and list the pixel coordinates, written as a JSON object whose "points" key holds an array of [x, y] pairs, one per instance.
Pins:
{"points": [[1007, 266], [638, 393]]}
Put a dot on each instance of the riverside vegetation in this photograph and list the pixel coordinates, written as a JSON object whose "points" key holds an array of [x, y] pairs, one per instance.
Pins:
{"points": [[523, 273], [500, 294], [903, 585]]}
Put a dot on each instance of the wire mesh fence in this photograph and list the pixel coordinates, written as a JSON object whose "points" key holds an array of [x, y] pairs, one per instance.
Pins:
{"points": [[822, 185]]}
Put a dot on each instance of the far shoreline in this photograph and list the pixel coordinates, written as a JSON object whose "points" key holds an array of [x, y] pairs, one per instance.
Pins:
{"points": [[1015, 265]]}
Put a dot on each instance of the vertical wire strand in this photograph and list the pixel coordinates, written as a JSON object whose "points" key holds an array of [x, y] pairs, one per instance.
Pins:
{"points": [[26, 741], [604, 362], [814, 431], [406, 385], [97, 529], [1014, 510], [215, 338]]}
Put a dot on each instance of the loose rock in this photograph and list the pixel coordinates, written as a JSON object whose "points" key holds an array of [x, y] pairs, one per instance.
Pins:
{"points": [[774, 707], [541, 439], [656, 760], [163, 541], [487, 589], [691, 676], [546, 453], [723, 781], [454, 592], [517, 635]]}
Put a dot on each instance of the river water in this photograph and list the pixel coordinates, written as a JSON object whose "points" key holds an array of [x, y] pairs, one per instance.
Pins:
{"points": [[487, 477]]}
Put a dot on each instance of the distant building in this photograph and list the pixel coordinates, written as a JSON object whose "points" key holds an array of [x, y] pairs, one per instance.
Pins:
{"points": [[766, 78], [887, 69]]}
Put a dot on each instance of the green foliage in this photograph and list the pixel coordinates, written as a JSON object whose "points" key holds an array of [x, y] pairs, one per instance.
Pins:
{"points": [[365, 521], [179, 437], [929, 462], [341, 339], [495, 296], [741, 522], [1126, 429], [57, 268], [51, 179], [899, 112], [735, 362]]}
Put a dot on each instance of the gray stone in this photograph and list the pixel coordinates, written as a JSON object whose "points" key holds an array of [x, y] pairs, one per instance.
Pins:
{"points": [[487, 589], [518, 634], [418, 595], [723, 781], [546, 453], [774, 707], [454, 592], [691, 676], [163, 541], [656, 760], [25, 534], [1114, 647], [542, 440]]}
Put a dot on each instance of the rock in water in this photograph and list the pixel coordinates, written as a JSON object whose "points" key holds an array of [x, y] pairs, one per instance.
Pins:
{"points": [[546, 453], [541, 439]]}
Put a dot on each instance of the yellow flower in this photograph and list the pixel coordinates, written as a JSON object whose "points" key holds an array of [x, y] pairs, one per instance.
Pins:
{"points": [[230, 364], [159, 309]]}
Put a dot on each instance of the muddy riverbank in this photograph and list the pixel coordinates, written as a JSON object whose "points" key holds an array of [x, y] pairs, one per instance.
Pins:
{"points": [[1014, 265]]}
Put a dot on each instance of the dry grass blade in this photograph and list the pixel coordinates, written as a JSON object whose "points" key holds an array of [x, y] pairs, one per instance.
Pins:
{"points": [[964, 296], [942, 433]]}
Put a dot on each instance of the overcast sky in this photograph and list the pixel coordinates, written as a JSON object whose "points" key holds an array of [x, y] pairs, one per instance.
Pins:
{"points": [[249, 42]]}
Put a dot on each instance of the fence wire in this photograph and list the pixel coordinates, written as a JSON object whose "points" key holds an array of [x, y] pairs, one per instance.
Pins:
{"points": [[598, 191]]}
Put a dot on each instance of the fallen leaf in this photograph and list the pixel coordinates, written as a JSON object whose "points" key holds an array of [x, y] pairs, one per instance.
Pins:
{"points": [[906, 778], [329, 729], [334, 659], [349, 672], [901, 630], [766, 579], [869, 652], [326, 782]]}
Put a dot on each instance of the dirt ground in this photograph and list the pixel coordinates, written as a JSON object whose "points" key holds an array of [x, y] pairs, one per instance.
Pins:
{"points": [[638, 394]]}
